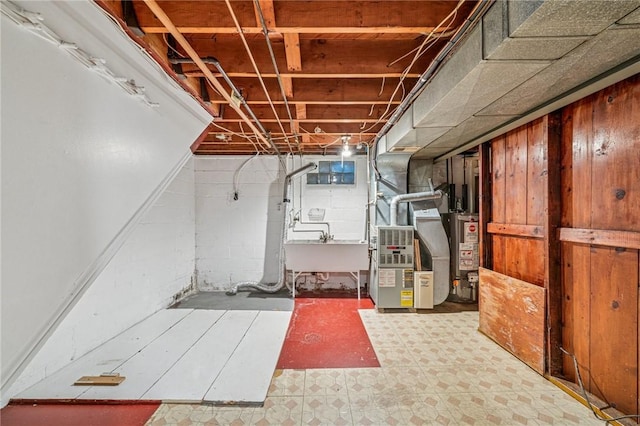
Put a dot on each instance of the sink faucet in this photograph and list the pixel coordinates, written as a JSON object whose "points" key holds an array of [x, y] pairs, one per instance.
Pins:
{"points": [[324, 237]]}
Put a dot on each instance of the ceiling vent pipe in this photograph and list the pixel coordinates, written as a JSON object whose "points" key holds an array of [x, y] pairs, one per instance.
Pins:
{"points": [[276, 287], [406, 198]]}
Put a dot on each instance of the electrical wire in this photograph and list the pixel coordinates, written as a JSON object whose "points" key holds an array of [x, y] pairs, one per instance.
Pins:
{"points": [[258, 8], [444, 34], [585, 395], [431, 40], [331, 143], [382, 86], [164, 37], [236, 176], [264, 147], [258, 74], [249, 138]]}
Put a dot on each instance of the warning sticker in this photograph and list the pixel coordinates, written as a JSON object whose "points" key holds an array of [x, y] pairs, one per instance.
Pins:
{"points": [[468, 256], [471, 232], [406, 298], [386, 278]]}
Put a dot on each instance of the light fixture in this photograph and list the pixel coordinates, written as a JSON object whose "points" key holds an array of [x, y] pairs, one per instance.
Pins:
{"points": [[346, 150]]}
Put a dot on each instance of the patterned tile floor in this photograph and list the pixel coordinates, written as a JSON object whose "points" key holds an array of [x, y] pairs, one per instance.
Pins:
{"points": [[435, 369]]}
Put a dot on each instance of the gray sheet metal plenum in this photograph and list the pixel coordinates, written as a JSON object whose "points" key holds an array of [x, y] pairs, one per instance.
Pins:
{"points": [[393, 181], [428, 225]]}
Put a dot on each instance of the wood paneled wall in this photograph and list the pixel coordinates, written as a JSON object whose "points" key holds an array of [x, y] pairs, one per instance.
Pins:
{"points": [[601, 238], [520, 171], [560, 208], [517, 206]]}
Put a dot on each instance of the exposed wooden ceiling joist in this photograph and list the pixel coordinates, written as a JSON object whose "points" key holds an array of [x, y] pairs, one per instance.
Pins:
{"points": [[344, 65]]}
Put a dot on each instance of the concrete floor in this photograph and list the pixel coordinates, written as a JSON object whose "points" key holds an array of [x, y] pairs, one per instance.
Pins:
{"points": [[243, 301]]}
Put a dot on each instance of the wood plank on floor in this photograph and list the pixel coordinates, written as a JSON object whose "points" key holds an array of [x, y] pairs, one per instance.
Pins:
{"points": [[190, 378], [105, 358], [247, 375], [144, 368]]}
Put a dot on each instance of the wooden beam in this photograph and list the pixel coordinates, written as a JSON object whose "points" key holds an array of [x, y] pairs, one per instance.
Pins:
{"points": [[292, 51], [301, 111], [552, 218], [307, 138], [321, 91], [268, 13], [412, 32], [302, 75], [287, 83], [485, 247], [422, 16], [601, 237], [323, 128], [158, 45], [315, 102], [319, 113], [166, 21], [325, 57], [315, 121], [527, 231]]}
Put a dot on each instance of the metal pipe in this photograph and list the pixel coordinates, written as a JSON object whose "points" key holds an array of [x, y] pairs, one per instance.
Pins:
{"points": [[257, 69], [258, 8], [173, 30], [405, 198], [323, 237], [213, 61], [287, 180]]}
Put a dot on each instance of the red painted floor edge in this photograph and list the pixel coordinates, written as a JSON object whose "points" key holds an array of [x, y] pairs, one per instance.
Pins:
{"points": [[327, 333], [113, 413], [84, 401]]}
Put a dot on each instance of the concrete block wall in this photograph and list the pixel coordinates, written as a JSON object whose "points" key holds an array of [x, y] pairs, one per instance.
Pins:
{"points": [[155, 263], [344, 210], [344, 204], [237, 240]]}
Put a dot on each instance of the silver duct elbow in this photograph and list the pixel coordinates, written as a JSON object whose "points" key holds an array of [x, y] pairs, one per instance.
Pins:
{"points": [[406, 198]]}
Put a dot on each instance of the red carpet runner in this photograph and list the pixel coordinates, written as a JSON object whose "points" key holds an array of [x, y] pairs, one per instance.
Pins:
{"points": [[327, 333], [77, 414]]}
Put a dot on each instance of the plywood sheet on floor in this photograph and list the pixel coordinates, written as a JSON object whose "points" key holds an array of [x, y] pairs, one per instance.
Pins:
{"points": [[243, 378], [106, 358], [191, 377], [512, 313], [179, 355]]}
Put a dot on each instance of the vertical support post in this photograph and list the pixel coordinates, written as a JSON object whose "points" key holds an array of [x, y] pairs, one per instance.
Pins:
{"points": [[552, 265], [486, 253]]}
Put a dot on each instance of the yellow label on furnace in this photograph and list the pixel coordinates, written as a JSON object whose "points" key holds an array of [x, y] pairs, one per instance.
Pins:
{"points": [[406, 298]]}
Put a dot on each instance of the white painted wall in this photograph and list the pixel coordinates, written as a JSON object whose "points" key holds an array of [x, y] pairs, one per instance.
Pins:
{"points": [[237, 240], [154, 264], [240, 240], [344, 204], [81, 159]]}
